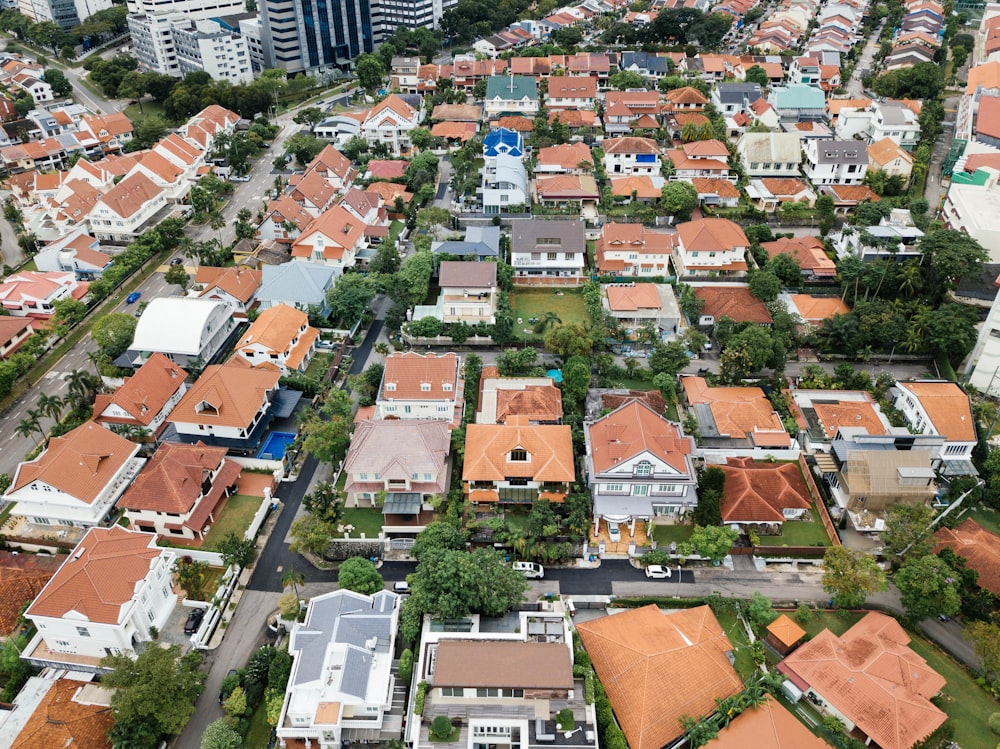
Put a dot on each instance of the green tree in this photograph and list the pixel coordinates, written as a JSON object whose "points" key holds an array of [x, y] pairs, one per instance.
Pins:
{"points": [[713, 541], [311, 535], [759, 611], [668, 358], [293, 578], [177, 276], [576, 380], [851, 576], [220, 735], [626, 79], [757, 74], [928, 587], [786, 269], [438, 535], [370, 71], [765, 285], [350, 296], [154, 694], [751, 350], [679, 199], [114, 333], [193, 577], [237, 551], [985, 637], [953, 255], [310, 116], [304, 147], [59, 82], [570, 339], [236, 703], [908, 531], [359, 574]]}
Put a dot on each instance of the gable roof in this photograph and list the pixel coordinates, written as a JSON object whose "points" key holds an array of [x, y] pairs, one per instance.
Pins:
{"points": [[881, 152], [228, 396], [60, 720], [172, 480], [303, 283], [632, 297], [80, 463], [275, 328], [873, 678], [144, 394], [658, 668], [848, 414], [408, 371], [511, 88], [711, 234], [807, 252], [812, 308], [735, 302], [758, 492], [947, 406], [634, 429], [488, 448], [131, 194], [979, 548], [767, 726], [738, 412], [22, 577], [99, 576], [566, 155], [534, 402], [241, 283], [631, 145]]}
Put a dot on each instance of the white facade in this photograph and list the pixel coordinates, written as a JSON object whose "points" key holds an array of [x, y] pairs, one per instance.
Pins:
{"points": [[836, 162], [194, 8], [973, 208], [921, 420], [390, 123], [111, 220], [388, 15], [177, 44], [984, 361], [183, 329], [631, 164], [505, 184]]}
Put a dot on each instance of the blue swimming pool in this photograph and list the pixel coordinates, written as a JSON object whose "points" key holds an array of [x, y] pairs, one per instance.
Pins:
{"points": [[275, 445]]}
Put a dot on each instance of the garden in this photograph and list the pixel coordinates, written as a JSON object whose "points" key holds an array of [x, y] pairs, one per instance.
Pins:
{"points": [[799, 533], [234, 518], [548, 307]]}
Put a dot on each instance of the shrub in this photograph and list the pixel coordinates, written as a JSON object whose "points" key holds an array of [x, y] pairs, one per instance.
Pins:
{"points": [[803, 614], [418, 700], [656, 556], [406, 666], [441, 727]]}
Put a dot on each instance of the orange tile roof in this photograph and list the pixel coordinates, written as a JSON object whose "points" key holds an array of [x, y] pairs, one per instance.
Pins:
{"points": [[767, 726], [574, 118], [567, 156], [162, 167], [179, 148], [715, 186], [81, 462], [947, 406], [61, 721], [131, 194], [848, 414], [686, 95], [808, 253], [388, 192], [758, 492], [534, 402], [572, 87], [883, 151], [286, 208], [275, 329], [632, 430], [144, 394], [642, 186], [225, 396], [739, 412], [488, 448], [331, 161], [632, 297], [11, 327], [342, 229], [513, 664], [658, 668], [784, 187], [735, 302], [566, 186], [979, 548], [240, 283], [99, 576], [631, 145], [106, 127], [871, 677], [785, 630], [172, 479], [816, 308], [516, 122], [454, 130], [693, 118], [22, 578], [853, 193], [313, 188], [711, 234], [408, 371]]}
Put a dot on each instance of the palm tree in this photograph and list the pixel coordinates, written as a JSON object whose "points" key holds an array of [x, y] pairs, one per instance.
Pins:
{"points": [[27, 426], [218, 223], [910, 278], [83, 386], [50, 405], [97, 359], [382, 348], [549, 319], [293, 578]]}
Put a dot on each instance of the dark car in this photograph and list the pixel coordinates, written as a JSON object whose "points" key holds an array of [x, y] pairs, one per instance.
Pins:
{"points": [[194, 621], [133, 297], [177, 261]]}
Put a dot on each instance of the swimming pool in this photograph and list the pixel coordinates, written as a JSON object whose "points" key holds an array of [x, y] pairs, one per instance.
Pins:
{"points": [[275, 445]]}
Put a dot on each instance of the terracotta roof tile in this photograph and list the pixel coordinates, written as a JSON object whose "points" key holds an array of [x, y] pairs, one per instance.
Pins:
{"points": [[947, 406], [767, 726], [631, 145], [807, 252], [567, 156], [715, 186], [851, 414], [739, 412], [818, 308], [276, 328], [534, 402], [711, 234], [635, 429], [131, 194], [785, 630], [409, 371], [979, 548], [225, 396], [642, 186], [758, 492], [516, 122], [651, 398], [658, 668], [22, 578], [61, 721], [240, 283], [853, 193], [488, 448], [735, 302], [632, 297], [513, 665], [172, 479], [144, 394]]}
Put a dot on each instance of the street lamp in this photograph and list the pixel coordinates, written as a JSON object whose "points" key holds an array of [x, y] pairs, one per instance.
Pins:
{"points": [[526, 331]]}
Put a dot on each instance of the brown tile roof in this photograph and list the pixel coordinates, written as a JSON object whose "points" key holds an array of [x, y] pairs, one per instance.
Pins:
{"points": [[516, 122], [658, 668], [409, 370], [331, 161], [711, 234], [478, 275], [387, 168], [735, 302], [172, 479], [275, 328], [715, 186], [635, 429], [947, 406], [835, 416], [11, 327], [240, 283], [568, 186], [632, 297], [526, 665], [131, 194], [871, 677], [81, 462], [768, 726], [631, 145], [852, 193], [979, 547], [641, 185], [758, 492], [574, 118], [22, 577], [99, 576], [144, 394], [785, 630], [534, 402], [807, 252], [61, 721], [342, 228], [488, 448], [651, 398], [457, 113], [225, 396], [784, 187], [686, 95], [454, 130], [883, 151], [739, 412], [566, 155], [388, 191], [572, 87]]}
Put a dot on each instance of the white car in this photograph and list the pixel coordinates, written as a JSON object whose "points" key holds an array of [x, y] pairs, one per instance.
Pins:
{"points": [[530, 570], [614, 533], [657, 572]]}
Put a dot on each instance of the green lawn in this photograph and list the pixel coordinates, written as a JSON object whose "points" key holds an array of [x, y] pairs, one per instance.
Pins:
{"points": [[365, 520], [667, 534], [148, 108], [235, 518], [737, 635], [259, 732], [799, 533], [989, 519], [528, 303], [837, 622], [318, 366]]}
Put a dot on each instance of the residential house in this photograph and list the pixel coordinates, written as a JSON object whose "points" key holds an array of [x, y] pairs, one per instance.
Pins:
{"points": [[503, 142], [638, 306], [769, 193], [187, 330], [181, 491], [400, 465], [284, 220], [625, 111], [631, 157], [390, 123], [342, 680], [571, 92], [809, 253], [235, 287], [468, 291], [897, 121], [684, 99], [826, 412], [404, 72], [481, 243], [107, 596], [887, 156], [145, 399], [536, 399], [312, 192], [76, 252], [647, 190], [943, 408], [77, 479], [566, 158], [638, 467], [646, 64], [872, 659], [716, 191], [58, 709], [730, 300], [710, 246], [517, 462], [736, 422], [504, 185], [732, 98], [760, 497], [701, 158], [114, 130], [36, 293], [127, 209], [795, 103], [836, 162], [13, 332], [548, 251], [415, 386], [300, 285], [565, 190], [334, 238], [677, 667], [872, 242], [770, 154], [767, 726], [978, 547], [279, 339], [813, 309], [510, 95], [22, 577], [229, 406]]}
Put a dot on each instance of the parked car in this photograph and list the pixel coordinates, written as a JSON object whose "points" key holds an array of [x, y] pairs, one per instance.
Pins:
{"points": [[530, 570], [401, 586], [177, 261], [320, 343], [193, 621], [133, 297], [614, 533], [657, 572]]}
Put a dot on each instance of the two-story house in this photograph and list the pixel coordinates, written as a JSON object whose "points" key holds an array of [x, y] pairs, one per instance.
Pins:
{"points": [[510, 95], [571, 92], [836, 162], [106, 598], [145, 399], [565, 158], [13, 332], [625, 111], [700, 158], [77, 252], [640, 305], [468, 291], [280, 339], [638, 466], [390, 122], [35, 293], [113, 130], [631, 157], [633, 250], [501, 398], [334, 238], [186, 330], [942, 408], [710, 245], [299, 285], [229, 406], [181, 491], [236, 287], [732, 98], [415, 386], [504, 185], [127, 209], [77, 479], [551, 251], [770, 154]]}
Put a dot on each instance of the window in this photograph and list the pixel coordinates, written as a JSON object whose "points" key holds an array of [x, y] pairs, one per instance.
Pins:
{"points": [[452, 691], [407, 409], [447, 387], [425, 387], [644, 468], [390, 387], [667, 488], [640, 490], [83, 631], [614, 488], [552, 256], [518, 455]]}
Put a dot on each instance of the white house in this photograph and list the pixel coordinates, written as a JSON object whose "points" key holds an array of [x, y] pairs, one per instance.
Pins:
{"points": [[113, 588], [631, 157], [770, 154], [186, 330], [35, 293], [942, 408], [77, 479], [145, 399], [390, 122], [468, 291], [505, 184], [342, 681], [76, 252], [555, 250], [510, 95], [125, 211], [836, 162], [421, 387], [710, 245], [279, 339], [334, 238]]}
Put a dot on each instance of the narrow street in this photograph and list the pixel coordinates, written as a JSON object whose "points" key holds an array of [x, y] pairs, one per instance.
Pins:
{"points": [[855, 88]]}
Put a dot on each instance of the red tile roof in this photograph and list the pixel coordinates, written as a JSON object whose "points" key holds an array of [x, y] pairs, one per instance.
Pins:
{"points": [[409, 372], [735, 302], [768, 726], [711, 234], [61, 721], [979, 548], [144, 394], [172, 480], [633, 430], [758, 492], [225, 396]]}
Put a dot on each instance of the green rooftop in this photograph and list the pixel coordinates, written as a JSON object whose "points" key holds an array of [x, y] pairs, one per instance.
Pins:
{"points": [[799, 97], [511, 87]]}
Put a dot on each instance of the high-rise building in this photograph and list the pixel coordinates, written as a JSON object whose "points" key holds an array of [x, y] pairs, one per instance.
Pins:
{"points": [[409, 14], [66, 13], [176, 44], [315, 35], [196, 9]]}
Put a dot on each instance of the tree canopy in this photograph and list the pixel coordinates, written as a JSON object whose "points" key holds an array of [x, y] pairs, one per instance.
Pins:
{"points": [[359, 574], [851, 576], [929, 587]]}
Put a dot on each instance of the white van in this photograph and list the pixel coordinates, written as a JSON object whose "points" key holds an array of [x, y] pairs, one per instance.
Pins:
{"points": [[530, 570]]}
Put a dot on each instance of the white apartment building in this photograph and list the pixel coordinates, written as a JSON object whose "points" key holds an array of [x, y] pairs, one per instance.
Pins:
{"points": [[389, 15], [972, 206], [199, 9], [984, 362], [66, 13], [177, 44], [252, 35]]}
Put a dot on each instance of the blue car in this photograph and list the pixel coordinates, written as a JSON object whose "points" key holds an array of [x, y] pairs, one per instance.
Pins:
{"points": [[133, 297]]}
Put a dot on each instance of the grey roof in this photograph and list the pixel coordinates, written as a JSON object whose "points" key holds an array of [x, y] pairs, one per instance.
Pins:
{"points": [[736, 93], [771, 148], [893, 113], [841, 152], [525, 234], [299, 281], [479, 275], [488, 235], [402, 503], [477, 249], [645, 61]]}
